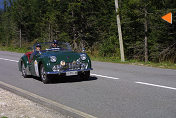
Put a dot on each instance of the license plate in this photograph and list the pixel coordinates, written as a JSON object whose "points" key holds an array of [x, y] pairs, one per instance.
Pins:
{"points": [[70, 73]]}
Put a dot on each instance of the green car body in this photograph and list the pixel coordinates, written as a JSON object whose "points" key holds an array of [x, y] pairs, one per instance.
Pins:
{"points": [[55, 62]]}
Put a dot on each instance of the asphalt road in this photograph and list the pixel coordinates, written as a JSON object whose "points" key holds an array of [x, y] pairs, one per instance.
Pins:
{"points": [[113, 91]]}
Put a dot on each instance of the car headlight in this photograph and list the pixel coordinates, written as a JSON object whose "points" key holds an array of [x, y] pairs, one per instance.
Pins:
{"points": [[62, 63], [83, 56], [53, 59]]}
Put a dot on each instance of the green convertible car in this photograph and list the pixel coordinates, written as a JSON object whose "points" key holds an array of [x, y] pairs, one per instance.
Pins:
{"points": [[54, 61]]}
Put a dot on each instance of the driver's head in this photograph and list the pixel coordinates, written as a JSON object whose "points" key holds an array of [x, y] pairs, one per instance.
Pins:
{"points": [[38, 47], [55, 43]]}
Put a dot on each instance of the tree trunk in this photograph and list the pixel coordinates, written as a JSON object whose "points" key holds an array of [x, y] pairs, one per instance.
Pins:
{"points": [[74, 34], [146, 38], [20, 38], [5, 5], [49, 32]]}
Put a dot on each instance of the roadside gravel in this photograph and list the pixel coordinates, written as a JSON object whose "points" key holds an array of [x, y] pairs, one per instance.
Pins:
{"points": [[14, 106]]}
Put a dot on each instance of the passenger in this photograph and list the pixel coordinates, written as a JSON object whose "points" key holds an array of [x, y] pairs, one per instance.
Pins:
{"points": [[37, 51], [38, 47]]}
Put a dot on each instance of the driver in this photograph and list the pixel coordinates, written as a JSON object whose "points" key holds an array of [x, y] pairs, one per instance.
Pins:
{"points": [[54, 44], [37, 50]]}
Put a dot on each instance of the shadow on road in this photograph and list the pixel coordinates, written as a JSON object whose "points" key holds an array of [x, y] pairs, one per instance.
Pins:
{"points": [[62, 79]]}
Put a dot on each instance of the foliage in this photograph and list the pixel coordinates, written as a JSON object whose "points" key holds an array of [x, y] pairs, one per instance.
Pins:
{"points": [[92, 24], [109, 47]]}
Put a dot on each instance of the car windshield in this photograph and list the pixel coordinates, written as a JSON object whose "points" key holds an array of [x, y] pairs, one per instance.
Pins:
{"points": [[48, 46]]}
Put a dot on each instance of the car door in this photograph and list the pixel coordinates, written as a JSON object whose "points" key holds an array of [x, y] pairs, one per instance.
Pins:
{"points": [[34, 64]]}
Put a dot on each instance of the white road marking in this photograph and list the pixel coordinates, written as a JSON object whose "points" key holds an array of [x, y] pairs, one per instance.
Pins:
{"points": [[83, 114], [90, 74], [160, 86], [103, 76], [8, 60]]}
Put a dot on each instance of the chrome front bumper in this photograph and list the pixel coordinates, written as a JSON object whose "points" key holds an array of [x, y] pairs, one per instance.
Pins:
{"points": [[60, 72]]}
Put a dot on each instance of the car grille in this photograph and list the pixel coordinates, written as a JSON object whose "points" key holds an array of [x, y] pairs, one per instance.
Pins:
{"points": [[72, 66]]}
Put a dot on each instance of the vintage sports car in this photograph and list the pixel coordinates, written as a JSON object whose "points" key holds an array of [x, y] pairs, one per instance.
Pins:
{"points": [[49, 61]]}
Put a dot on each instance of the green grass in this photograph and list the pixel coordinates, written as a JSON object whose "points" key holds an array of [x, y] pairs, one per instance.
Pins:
{"points": [[4, 117], [11, 49], [167, 65]]}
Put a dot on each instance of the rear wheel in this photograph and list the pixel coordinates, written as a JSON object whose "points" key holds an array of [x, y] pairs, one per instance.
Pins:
{"points": [[44, 77], [23, 70], [85, 75]]}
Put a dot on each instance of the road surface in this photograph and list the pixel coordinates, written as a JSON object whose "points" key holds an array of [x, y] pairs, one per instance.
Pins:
{"points": [[113, 91]]}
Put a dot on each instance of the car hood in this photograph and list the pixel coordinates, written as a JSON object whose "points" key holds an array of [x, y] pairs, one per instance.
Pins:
{"points": [[67, 56]]}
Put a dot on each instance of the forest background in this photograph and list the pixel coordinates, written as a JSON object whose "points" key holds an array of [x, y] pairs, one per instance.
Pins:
{"points": [[92, 24]]}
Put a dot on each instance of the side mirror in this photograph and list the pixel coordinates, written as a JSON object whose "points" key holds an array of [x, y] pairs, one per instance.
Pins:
{"points": [[83, 50]]}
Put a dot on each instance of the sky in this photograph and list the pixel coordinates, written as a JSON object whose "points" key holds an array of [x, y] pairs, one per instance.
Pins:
{"points": [[1, 4]]}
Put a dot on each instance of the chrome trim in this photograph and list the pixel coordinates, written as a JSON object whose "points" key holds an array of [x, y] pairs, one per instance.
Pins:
{"points": [[57, 72], [36, 68]]}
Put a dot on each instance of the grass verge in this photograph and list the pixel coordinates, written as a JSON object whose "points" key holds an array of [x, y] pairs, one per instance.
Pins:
{"points": [[11, 49], [166, 65]]}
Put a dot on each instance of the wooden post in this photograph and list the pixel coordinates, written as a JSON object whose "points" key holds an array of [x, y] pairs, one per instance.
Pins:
{"points": [[119, 32]]}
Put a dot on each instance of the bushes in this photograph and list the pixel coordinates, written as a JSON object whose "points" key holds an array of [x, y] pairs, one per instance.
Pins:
{"points": [[109, 47]]}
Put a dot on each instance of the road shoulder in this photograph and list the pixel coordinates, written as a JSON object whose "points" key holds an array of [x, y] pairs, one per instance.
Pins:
{"points": [[14, 106]]}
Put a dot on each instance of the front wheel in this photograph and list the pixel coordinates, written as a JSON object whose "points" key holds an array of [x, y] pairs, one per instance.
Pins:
{"points": [[44, 77], [23, 71], [85, 75]]}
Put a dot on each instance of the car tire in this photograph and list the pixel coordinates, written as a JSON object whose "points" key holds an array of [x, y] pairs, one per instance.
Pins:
{"points": [[85, 75], [44, 77], [23, 70]]}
